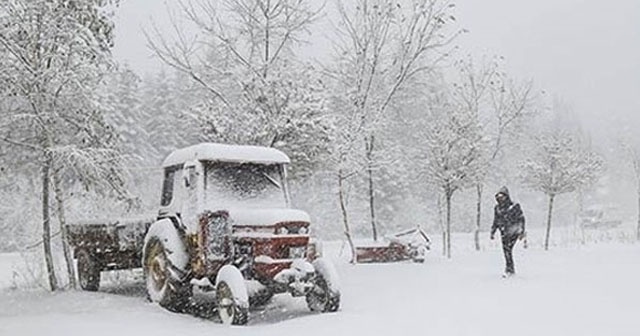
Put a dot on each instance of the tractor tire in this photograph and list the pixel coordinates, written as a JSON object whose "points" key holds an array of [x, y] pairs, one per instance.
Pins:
{"points": [[162, 287], [88, 271], [231, 296], [325, 295]]}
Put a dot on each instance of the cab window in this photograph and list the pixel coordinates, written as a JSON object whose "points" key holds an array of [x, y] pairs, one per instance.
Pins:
{"points": [[170, 174]]}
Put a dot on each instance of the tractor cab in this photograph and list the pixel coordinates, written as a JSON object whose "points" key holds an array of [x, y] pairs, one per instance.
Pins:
{"points": [[217, 177]]}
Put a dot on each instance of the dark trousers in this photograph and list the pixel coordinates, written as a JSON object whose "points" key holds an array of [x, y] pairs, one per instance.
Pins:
{"points": [[508, 241]]}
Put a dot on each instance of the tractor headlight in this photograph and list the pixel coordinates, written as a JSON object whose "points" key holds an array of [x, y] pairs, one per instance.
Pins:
{"points": [[303, 230], [282, 230]]}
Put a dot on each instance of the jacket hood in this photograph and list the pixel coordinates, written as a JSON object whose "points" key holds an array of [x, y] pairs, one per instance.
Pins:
{"points": [[505, 191]]}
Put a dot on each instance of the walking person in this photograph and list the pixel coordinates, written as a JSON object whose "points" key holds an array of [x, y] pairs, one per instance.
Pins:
{"points": [[509, 219]]}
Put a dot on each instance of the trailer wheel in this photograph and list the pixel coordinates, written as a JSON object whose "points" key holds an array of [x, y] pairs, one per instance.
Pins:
{"points": [[162, 287], [231, 296], [88, 271], [325, 295]]}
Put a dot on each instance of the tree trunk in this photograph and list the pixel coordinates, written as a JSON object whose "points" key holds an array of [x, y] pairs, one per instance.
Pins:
{"points": [[638, 228], [63, 230], [46, 226], [345, 218], [448, 199], [583, 238], [442, 226], [369, 149], [546, 239], [478, 216], [266, 46], [374, 229]]}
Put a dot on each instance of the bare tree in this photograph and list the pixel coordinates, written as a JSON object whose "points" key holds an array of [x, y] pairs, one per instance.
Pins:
{"points": [[54, 56], [472, 93], [636, 170], [633, 154], [511, 102], [347, 162], [560, 163], [256, 91], [453, 149], [381, 48], [485, 90]]}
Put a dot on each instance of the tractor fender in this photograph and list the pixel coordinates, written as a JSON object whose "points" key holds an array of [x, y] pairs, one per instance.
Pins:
{"points": [[230, 275], [327, 270], [170, 236]]}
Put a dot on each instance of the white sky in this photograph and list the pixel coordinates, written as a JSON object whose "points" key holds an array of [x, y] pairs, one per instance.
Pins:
{"points": [[585, 51]]}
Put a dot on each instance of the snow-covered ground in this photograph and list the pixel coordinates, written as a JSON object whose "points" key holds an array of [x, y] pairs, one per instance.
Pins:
{"points": [[588, 290]]}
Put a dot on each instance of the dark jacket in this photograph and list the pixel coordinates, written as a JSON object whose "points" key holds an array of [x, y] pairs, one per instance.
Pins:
{"points": [[508, 217]]}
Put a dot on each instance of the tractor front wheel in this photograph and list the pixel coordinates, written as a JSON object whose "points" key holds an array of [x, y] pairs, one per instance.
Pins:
{"points": [[162, 288], [325, 295], [231, 296]]}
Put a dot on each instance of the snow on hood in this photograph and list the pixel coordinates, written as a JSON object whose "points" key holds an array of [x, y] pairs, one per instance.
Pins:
{"points": [[265, 217]]}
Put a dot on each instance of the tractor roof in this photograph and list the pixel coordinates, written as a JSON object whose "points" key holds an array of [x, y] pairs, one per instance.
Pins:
{"points": [[225, 153]]}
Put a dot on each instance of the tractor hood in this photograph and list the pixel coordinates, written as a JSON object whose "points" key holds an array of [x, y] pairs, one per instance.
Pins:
{"points": [[266, 217]]}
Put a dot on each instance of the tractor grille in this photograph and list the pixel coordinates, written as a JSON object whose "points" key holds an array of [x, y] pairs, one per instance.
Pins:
{"points": [[218, 237]]}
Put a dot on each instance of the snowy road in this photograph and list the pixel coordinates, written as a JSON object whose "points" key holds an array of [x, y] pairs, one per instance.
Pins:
{"points": [[589, 291]]}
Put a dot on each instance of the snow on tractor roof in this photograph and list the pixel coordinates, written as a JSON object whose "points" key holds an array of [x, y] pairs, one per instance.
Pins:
{"points": [[225, 153]]}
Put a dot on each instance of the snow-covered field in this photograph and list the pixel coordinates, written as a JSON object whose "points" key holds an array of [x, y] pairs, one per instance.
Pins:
{"points": [[590, 290]]}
